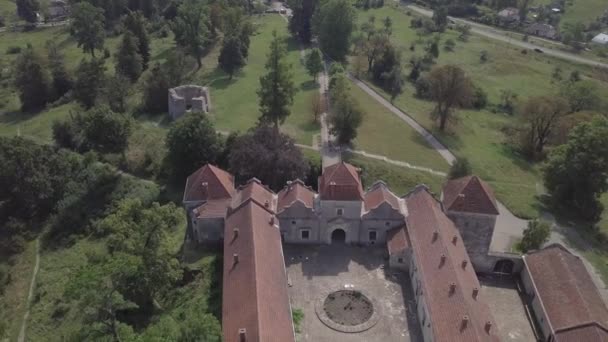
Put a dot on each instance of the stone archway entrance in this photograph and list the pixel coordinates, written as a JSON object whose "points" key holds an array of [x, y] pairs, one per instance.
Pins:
{"points": [[504, 266], [338, 236]]}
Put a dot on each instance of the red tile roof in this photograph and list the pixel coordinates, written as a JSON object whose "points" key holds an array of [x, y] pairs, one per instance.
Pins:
{"points": [[378, 194], [209, 182], [397, 241], [254, 288], [256, 191], [567, 293], [212, 209], [340, 182], [591, 332], [469, 194], [295, 191], [447, 286]]}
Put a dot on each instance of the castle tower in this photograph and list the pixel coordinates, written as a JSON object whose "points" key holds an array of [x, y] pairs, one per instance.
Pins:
{"points": [[471, 204]]}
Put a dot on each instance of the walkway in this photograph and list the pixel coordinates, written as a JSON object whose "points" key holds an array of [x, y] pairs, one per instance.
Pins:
{"points": [[495, 34], [30, 294]]}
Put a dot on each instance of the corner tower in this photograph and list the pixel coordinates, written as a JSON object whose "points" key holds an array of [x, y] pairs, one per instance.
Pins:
{"points": [[471, 204]]}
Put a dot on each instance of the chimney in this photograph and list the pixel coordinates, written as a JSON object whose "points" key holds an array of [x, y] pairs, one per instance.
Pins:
{"points": [[242, 335], [464, 264], [488, 326], [235, 258], [435, 236], [454, 240], [205, 186], [452, 287], [465, 321], [289, 185], [475, 292], [442, 260], [271, 221], [266, 203], [236, 232]]}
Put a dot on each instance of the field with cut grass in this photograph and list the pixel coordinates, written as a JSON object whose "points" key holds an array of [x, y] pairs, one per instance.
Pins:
{"points": [[479, 135]]}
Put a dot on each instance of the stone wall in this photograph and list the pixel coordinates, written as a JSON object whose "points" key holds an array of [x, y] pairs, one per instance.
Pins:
{"points": [[294, 220], [188, 98], [476, 231]]}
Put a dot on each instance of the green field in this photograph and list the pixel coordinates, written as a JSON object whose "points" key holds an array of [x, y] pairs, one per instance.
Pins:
{"points": [[478, 135], [584, 11]]}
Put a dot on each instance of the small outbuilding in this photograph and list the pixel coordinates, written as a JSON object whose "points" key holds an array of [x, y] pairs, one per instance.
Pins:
{"points": [[601, 38], [542, 30]]}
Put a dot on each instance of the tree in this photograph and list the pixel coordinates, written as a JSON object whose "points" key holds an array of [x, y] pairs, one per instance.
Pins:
{"points": [[192, 29], [136, 23], [388, 25], [394, 81], [335, 24], [87, 27], [28, 10], [128, 60], [102, 130], [116, 92], [300, 23], [576, 173], [534, 236], [440, 18], [272, 158], [464, 30], [449, 87], [90, 79], [539, 116], [160, 79], [314, 63], [582, 95], [276, 87], [346, 115], [574, 35], [61, 79], [31, 80], [449, 45], [191, 142], [460, 168], [231, 57], [375, 46]]}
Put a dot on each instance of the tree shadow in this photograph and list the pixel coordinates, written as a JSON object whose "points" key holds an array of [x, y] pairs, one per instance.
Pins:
{"points": [[15, 118], [309, 85]]}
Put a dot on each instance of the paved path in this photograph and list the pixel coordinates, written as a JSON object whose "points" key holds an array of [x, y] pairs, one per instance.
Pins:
{"points": [[329, 154], [493, 33], [30, 294]]}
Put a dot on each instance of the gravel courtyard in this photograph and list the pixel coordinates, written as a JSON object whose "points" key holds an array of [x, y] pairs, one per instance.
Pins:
{"points": [[313, 271]]}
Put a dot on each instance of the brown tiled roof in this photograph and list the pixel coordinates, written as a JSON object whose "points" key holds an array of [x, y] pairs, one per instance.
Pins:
{"points": [[219, 184], [212, 209], [256, 191], [378, 194], [295, 191], [397, 241], [567, 292], [448, 280], [340, 182], [254, 288], [469, 194], [591, 332]]}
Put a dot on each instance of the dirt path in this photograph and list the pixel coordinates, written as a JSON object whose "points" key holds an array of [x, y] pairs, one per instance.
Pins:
{"points": [[30, 294]]}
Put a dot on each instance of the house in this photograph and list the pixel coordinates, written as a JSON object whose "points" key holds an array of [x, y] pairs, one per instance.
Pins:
{"points": [[542, 30], [601, 38], [564, 299], [508, 15]]}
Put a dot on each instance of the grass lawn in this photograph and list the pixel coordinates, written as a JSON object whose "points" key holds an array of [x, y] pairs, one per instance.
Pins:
{"points": [[382, 132], [13, 301], [585, 11], [478, 135], [235, 102]]}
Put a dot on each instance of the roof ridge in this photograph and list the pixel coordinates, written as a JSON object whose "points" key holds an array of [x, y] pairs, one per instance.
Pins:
{"points": [[255, 266], [582, 325]]}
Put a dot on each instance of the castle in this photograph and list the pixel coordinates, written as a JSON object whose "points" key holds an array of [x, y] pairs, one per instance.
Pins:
{"points": [[442, 243]]}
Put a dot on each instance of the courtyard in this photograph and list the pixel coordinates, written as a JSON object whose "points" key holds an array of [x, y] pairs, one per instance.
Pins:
{"points": [[316, 272]]}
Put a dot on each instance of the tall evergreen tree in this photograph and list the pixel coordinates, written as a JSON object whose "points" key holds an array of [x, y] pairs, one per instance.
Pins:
{"points": [[231, 56], [31, 80], [136, 23], [87, 27], [128, 59], [62, 80], [276, 87], [90, 79], [314, 63], [28, 10], [335, 25]]}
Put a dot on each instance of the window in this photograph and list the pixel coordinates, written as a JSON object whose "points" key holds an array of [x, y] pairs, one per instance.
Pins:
{"points": [[373, 235], [305, 234], [387, 223], [400, 260], [339, 211], [293, 222]]}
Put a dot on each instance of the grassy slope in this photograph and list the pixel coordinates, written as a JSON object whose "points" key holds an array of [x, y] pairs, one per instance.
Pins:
{"points": [[384, 133], [13, 303], [584, 11], [478, 135]]}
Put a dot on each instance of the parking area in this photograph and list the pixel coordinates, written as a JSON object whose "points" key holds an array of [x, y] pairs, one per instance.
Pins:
{"points": [[507, 308], [313, 271]]}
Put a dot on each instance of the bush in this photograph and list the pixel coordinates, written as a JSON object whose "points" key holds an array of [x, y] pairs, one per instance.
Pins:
{"points": [[480, 98], [13, 50], [423, 88], [460, 168], [535, 235]]}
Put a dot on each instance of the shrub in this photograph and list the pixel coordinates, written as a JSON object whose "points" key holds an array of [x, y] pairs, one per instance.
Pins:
{"points": [[423, 88], [460, 168], [535, 235], [480, 98], [13, 50]]}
